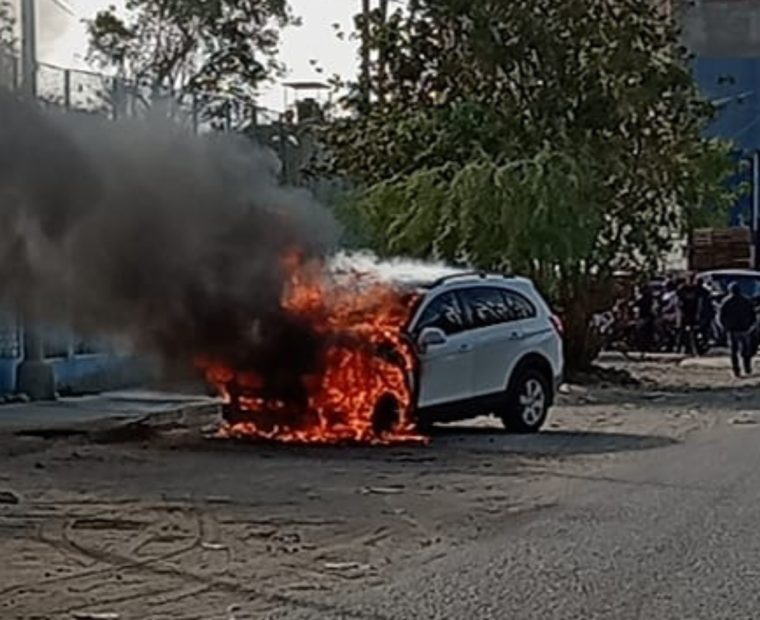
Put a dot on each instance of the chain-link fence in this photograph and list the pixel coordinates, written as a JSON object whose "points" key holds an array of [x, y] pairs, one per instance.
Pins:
{"points": [[75, 90], [89, 92]]}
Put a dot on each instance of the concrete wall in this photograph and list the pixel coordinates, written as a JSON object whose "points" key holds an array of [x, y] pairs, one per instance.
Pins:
{"points": [[721, 27], [79, 365]]}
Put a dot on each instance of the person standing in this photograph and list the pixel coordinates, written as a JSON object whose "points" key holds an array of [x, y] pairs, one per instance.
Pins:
{"points": [[644, 305], [669, 314], [689, 306], [737, 318], [706, 310]]}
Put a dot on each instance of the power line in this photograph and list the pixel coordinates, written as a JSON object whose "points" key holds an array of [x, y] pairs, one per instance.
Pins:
{"points": [[65, 7]]}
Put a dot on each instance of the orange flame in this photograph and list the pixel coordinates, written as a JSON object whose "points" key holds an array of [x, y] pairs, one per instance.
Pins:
{"points": [[362, 392]]}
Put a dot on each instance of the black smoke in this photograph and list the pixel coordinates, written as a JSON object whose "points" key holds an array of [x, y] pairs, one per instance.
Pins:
{"points": [[143, 231]]}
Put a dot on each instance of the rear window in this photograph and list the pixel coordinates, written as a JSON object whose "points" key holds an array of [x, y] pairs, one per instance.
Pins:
{"points": [[487, 305], [749, 285], [520, 307]]}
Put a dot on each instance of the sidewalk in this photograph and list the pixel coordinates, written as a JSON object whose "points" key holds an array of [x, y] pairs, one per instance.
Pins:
{"points": [[103, 410]]}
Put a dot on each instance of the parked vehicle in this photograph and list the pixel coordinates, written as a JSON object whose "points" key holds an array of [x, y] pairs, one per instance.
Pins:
{"points": [[718, 282]]}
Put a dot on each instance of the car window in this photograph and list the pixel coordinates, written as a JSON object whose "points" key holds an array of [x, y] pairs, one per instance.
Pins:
{"points": [[491, 306], [519, 307], [750, 286], [486, 306], [445, 313]]}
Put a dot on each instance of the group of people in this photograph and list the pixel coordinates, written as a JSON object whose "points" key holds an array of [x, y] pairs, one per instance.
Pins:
{"points": [[679, 319], [688, 315]]}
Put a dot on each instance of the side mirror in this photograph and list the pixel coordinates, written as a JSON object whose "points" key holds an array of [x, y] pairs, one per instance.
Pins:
{"points": [[430, 337]]}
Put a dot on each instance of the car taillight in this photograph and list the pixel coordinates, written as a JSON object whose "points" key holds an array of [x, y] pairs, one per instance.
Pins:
{"points": [[558, 325]]}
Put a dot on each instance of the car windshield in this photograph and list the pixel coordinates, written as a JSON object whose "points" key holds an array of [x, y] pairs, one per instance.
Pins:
{"points": [[749, 285]]}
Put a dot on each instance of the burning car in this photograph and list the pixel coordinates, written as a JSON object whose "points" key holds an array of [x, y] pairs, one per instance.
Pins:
{"points": [[386, 356]]}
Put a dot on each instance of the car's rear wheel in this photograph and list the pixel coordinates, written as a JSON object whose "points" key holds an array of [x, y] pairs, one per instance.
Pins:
{"points": [[527, 402], [386, 416]]}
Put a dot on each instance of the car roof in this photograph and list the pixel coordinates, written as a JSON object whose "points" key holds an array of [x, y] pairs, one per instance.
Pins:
{"points": [[417, 275], [466, 281], [731, 273]]}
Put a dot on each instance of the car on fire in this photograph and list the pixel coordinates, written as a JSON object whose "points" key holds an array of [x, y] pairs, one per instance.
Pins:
{"points": [[452, 346], [486, 344]]}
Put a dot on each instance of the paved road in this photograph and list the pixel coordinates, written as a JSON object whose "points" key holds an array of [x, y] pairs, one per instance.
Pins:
{"points": [[673, 533]]}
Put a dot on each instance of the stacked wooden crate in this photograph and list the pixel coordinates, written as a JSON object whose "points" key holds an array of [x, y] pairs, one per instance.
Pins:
{"points": [[720, 248]]}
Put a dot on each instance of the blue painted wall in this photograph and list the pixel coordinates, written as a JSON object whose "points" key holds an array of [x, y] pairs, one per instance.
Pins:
{"points": [[734, 82], [79, 366], [8, 375]]}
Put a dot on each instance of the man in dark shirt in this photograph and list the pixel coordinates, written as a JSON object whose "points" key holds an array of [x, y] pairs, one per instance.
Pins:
{"points": [[689, 305], [689, 297], [645, 315], [738, 319]]}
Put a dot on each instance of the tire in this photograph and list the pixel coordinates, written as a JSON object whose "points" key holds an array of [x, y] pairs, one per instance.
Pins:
{"points": [[386, 416], [527, 402]]}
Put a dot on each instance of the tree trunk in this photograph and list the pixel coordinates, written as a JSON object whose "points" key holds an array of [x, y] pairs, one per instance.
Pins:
{"points": [[581, 348], [581, 297]]}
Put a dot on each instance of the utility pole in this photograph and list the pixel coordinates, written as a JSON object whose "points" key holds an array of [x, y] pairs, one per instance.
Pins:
{"points": [[34, 376], [29, 47], [382, 56], [755, 226], [366, 68]]}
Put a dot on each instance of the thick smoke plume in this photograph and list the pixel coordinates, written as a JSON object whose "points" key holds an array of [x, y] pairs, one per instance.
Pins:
{"points": [[141, 230]]}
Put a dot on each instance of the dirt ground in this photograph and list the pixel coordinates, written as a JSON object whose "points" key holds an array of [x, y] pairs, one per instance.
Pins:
{"points": [[171, 525]]}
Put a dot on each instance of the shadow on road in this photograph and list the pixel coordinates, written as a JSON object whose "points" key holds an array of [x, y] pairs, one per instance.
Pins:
{"points": [[189, 465], [546, 443], [450, 445]]}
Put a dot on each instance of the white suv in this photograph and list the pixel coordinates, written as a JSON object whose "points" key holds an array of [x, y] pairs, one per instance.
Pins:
{"points": [[484, 345], [487, 344]]}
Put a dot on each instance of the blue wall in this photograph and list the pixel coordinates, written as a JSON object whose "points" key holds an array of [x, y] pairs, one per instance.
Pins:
{"points": [[737, 79], [79, 365], [734, 83]]}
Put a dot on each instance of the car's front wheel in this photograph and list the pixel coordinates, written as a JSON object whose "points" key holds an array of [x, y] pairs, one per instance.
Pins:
{"points": [[527, 402], [386, 415]]}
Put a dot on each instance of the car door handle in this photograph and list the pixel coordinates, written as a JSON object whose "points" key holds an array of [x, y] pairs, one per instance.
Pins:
{"points": [[465, 348], [516, 336]]}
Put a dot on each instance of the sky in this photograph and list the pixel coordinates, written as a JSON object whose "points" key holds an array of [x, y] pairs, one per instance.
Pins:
{"points": [[63, 41]]}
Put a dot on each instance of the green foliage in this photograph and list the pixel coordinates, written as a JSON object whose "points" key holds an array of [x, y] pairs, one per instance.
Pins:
{"points": [[7, 27], [536, 216], [201, 48], [707, 201], [8, 44], [561, 138]]}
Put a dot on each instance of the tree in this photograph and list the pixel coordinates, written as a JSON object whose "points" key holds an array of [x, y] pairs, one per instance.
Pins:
{"points": [[8, 42], [560, 138], [217, 52]]}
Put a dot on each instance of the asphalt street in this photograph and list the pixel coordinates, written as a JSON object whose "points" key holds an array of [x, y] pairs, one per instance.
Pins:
{"points": [[669, 533]]}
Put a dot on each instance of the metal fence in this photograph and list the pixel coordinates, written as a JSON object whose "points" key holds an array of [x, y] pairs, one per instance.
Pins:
{"points": [[83, 91], [95, 93], [90, 92]]}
